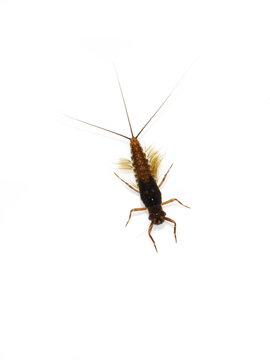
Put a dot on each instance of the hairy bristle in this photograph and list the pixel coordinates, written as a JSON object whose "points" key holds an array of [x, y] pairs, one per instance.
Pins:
{"points": [[154, 158], [125, 164]]}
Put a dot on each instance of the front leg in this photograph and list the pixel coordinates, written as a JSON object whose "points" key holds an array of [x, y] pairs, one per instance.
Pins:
{"points": [[151, 237], [174, 226]]}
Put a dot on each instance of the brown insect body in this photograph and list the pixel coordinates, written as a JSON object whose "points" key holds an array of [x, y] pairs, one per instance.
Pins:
{"points": [[145, 167], [149, 190]]}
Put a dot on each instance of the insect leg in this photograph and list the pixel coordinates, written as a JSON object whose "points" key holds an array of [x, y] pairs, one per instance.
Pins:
{"points": [[131, 211], [174, 229], [171, 200], [149, 233], [132, 187], [164, 177]]}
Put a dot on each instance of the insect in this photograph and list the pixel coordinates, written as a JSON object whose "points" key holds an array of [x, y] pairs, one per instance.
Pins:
{"points": [[145, 165]]}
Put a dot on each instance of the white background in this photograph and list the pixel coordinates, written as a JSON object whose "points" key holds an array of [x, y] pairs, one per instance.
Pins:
{"points": [[77, 284]]}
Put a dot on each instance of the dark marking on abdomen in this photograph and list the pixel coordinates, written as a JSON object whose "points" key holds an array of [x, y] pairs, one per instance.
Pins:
{"points": [[150, 193]]}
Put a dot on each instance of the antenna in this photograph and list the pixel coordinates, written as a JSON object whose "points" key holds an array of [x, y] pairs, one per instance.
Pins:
{"points": [[99, 127], [123, 98], [178, 82]]}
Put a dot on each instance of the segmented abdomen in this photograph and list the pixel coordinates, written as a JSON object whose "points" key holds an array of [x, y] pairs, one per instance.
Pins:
{"points": [[140, 163]]}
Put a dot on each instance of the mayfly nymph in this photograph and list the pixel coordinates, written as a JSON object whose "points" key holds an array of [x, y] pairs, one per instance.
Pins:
{"points": [[145, 165]]}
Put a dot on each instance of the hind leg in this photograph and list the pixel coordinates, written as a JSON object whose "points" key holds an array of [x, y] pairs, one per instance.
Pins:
{"points": [[132, 187], [135, 209], [171, 200], [164, 177]]}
